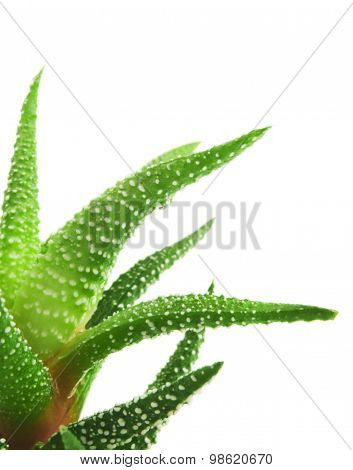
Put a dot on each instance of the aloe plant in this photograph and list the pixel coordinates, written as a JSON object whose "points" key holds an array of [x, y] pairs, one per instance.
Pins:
{"points": [[59, 321]]}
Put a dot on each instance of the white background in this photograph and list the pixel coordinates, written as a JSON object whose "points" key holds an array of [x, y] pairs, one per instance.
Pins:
{"points": [[156, 74]]}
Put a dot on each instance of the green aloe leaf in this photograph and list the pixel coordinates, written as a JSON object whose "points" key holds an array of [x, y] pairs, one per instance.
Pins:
{"points": [[67, 282], [115, 429], [19, 240], [178, 365], [166, 314], [25, 384], [69, 440], [133, 283], [182, 151]]}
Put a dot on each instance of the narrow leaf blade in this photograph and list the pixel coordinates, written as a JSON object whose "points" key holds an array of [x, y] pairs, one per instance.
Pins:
{"points": [[166, 314], [19, 227]]}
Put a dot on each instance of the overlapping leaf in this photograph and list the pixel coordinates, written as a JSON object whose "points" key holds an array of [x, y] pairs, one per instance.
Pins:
{"points": [[115, 429], [132, 284], [25, 384], [19, 241], [182, 151], [129, 287], [181, 360], [166, 314], [68, 280]]}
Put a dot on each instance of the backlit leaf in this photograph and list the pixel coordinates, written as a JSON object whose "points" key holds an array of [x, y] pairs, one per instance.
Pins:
{"points": [[178, 365], [25, 384]]}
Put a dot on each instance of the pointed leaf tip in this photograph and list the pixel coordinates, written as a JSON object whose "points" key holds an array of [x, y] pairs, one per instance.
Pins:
{"points": [[19, 227], [166, 314], [123, 422]]}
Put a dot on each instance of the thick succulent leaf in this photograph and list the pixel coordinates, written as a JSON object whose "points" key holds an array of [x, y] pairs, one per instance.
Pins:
{"points": [[67, 282], [114, 429], [19, 240], [133, 283], [25, 384], [182, 151], [166, 314], [178, 365], [69, 440]]}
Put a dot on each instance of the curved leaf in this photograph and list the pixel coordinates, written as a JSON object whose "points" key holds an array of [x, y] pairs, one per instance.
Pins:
{"points": [[166, 314], [25, 384], [67, 282], [178, 365], [116, 428], [19, 240], [133, 283]]}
